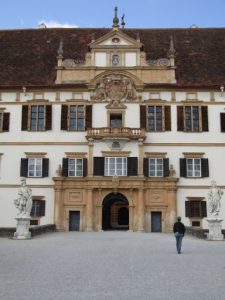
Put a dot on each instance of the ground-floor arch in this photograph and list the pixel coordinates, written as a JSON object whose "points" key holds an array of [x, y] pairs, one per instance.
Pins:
{"points": [[115, 212]]}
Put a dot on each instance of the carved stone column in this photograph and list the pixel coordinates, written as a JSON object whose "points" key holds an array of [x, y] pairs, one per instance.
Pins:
{"points": [[99, 211], [141, 154], [58, 213], [89, 211], [90, 157], [172, 209], [141, 210]]}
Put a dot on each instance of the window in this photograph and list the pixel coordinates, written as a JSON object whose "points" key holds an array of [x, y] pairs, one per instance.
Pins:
{"points": [[195, 208], [192, 118], [115, 166], [193, 167], [38, 208], [4, 121], [37, 117], [222, 122], [76, 117], [155, 167], [116, 120], [34, 167], [158, 117], [34, 222], [75, 167]]}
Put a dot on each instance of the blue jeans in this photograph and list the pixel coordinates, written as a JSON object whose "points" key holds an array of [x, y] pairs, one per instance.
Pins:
{"points": [[179, 237]]}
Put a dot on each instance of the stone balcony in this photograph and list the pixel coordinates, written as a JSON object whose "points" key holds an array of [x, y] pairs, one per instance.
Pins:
{"points": [[120, 133]]}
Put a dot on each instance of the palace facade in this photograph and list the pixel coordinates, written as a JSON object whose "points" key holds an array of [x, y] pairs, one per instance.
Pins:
{"points": [[113, 128]]}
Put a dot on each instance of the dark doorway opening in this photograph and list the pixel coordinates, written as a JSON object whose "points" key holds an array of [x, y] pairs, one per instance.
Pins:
{"points": [[74, 221], [156, 221], [115, 212]]}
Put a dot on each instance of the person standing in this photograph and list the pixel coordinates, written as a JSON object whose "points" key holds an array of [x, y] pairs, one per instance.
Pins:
{"points": [[179, 231]]}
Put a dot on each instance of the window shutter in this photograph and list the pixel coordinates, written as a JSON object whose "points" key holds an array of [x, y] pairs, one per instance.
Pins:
{"points": [[145, 167], [45, 167], [24, 167], [6, 117], [143, 116], [188, 209], [64, 112], [205, 167], [24, 125], [183, 167], [132, 166], [166, 170], [88, 121], [203, 209], [205, 126], [42, 208], [180, 118], [99, 165], [167, 118], [65, 167], [48, 117], [84, 167], [222, 122]]}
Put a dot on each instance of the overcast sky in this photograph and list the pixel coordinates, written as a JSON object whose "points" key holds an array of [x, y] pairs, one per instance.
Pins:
{"points": [[99, 13]]}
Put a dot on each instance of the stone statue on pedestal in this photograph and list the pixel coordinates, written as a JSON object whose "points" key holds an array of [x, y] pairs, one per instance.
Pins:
{"points": [[214, 206], [23, 205]]}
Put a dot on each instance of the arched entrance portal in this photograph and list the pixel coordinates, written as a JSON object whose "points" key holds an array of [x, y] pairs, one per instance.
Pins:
{"points": [[115, 212]]}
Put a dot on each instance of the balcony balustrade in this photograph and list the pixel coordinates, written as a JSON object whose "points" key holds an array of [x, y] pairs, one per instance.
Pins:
{"points": [[123, 132]]}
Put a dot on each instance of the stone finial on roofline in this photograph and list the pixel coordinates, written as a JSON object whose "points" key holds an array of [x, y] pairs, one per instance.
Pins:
{"points": [[172, 52], [115, 19], [60, 54]]}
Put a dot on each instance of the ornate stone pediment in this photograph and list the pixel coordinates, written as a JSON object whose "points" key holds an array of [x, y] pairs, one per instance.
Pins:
{"points": [[116, 89]]}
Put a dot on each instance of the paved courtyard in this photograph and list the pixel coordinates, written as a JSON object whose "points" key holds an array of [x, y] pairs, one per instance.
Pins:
{"points": [[111, 265]]}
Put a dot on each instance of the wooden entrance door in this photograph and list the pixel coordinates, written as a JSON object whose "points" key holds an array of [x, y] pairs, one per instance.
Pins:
{"points": [[74, 221], [156, 221]]}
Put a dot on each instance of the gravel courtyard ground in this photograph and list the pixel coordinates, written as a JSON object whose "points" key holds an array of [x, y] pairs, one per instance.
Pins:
{"points": [[111, 265]]}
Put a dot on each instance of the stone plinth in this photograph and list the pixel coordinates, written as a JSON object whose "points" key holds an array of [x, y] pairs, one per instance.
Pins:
{"points": [[22, 229], [215, 227]]}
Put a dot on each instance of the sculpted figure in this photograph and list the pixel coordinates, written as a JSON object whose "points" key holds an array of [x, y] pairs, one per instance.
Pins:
{"points": [[214, 198], [24, 202]]}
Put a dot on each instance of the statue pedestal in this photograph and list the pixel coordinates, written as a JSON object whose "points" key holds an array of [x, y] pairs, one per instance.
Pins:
{"points": [[215, 227], [22, 229]]}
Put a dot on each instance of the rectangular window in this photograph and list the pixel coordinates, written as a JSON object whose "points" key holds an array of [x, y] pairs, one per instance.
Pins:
{"points": [[195, 209], [76, 118], [192, 117], [116, 120], [193, 167], [35, 167], [37, 118], [75, 167], [155, 118], [1, 121], [115, 166], [155, 167], [38, 208]]}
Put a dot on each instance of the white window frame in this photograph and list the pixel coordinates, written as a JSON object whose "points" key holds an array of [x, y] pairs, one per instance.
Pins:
{"points": [[155, 167], [191, 167], [37, 164], [112, 166], [73, 170]]}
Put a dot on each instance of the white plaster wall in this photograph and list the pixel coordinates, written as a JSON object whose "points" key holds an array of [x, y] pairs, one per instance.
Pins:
{"points": [[99, 115], [132, 116], [130, 59], [100, 59], [101, 146], [9, 97]]}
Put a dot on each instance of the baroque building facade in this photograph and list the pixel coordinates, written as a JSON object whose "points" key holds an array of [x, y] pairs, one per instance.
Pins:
{"points": [[113, 128]]}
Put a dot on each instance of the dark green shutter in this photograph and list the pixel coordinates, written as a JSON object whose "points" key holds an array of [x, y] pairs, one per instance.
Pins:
{"points": [[203, 209], [205, 126], [6, 117], [65, 167], [48, 117], [188, 209], [222, 122], [183, 167], [132, 166], [84, 167], [166, 170], [205, 167], [24, 125], [99, 166], [42, 208], [64, 113], [143, 120], [180, 118], [24, 167], [145, 167], [45, 167], [167, 118], [88, 119]]}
